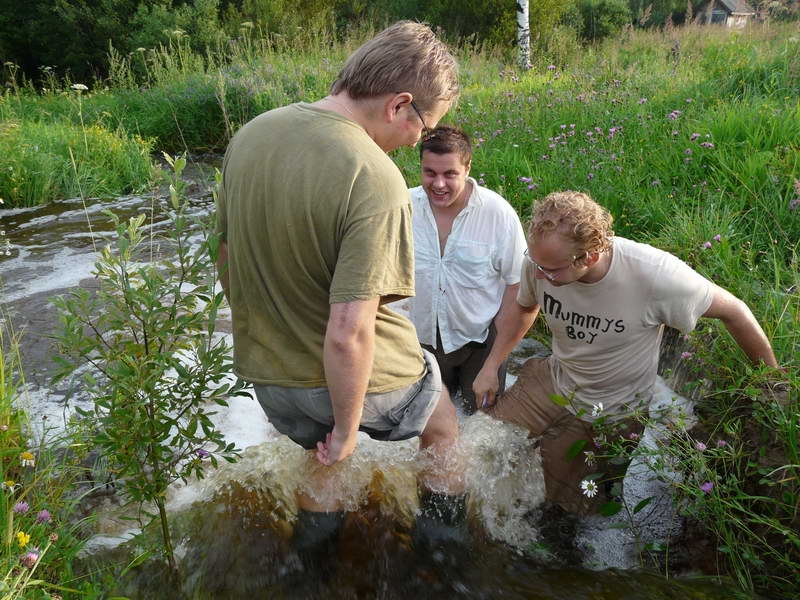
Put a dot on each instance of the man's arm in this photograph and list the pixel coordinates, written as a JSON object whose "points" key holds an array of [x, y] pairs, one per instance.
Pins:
{"points": [[512, 323], [742, 325], [222, 268], [347, 356]]}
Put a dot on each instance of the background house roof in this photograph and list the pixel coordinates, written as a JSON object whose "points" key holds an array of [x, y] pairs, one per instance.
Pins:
{"points": [[738, 6]]}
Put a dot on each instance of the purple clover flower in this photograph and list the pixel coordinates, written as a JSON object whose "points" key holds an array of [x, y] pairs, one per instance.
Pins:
{"points": [[717, 238], [693, 137], [706, 245], [707, 145], [21, 507], [794, 204], [721, 443], [29, 559], [707, 487], [202, 453], [525, 179], [685, 355], [43, 516], [642, 100], [699, 446]]}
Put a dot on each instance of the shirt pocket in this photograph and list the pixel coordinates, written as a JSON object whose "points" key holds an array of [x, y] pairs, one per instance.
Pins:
{"points": [[470, 264]]}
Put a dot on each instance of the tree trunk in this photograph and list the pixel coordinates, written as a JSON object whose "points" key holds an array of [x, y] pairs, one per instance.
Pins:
{"points": [[523, 35]]}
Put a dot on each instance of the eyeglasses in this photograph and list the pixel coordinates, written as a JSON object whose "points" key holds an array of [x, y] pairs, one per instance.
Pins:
{"points": [[551, 274], [426, 131]]}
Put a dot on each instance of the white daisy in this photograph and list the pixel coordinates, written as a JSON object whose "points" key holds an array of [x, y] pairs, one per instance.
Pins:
{"points": [[589, 488], [597, 409]]}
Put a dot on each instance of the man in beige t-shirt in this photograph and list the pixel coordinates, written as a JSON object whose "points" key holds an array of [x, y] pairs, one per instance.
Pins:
{"points": [[606, 301], [316, 227]]}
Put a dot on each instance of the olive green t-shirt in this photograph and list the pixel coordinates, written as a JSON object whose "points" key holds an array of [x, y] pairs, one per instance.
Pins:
{"points": [[314, 213]]}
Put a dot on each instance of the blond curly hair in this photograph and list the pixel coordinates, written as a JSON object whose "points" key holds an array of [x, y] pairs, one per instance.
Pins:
{"points": [[574, 215]]}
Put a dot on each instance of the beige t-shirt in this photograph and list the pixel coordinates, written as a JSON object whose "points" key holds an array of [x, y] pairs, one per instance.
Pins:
{"points": [[314, 213], [606, 335]]}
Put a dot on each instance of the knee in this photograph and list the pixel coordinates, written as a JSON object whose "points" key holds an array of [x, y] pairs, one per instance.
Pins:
{"points": [[442, 427]]}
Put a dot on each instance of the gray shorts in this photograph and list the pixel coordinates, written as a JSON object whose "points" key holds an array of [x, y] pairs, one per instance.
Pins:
{"points": [[306, 414]]}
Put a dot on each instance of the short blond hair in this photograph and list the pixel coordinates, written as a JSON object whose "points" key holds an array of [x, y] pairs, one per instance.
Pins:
{"points": [[575, 216], [405, 57]]}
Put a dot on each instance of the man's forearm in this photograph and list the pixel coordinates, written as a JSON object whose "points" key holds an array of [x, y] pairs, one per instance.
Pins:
{"points": [[742, 325], [347, 357], [512, 323], [752, 339]]}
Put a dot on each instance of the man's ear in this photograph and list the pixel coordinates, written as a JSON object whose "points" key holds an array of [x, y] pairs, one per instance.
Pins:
{"points": [[394, 103]]}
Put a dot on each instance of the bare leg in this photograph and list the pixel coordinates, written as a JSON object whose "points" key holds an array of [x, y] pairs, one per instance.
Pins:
{"points": [[439, 438]]}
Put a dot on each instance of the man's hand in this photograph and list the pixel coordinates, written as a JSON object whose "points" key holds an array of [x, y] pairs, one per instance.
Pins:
{"points": [[485, 387], [336, 447]]}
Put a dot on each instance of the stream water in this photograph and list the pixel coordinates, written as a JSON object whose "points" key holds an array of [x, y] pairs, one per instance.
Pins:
{"points": [[234, 526]]}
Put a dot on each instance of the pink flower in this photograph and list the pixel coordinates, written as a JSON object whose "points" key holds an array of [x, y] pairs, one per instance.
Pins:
{"points": [[685, 355], [43, 516], [633, 436], [717, 238], [707, 145], [29, 558], [721, 443], [706, 245], [700, 446], [693, 137], [525, 179], [551, 67], [707, 487], [21, 507], [642, 100]]}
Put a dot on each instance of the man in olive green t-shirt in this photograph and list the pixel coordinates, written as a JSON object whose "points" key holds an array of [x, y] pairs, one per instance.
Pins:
{"points": [[316, 234]]}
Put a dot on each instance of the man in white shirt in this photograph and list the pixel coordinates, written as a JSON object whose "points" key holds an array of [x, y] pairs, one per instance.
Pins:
{"points": [[606, 301], [468, 250]]}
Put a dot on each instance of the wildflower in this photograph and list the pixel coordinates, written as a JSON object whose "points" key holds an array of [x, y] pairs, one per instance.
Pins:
{"points": [[794, 204], [589, 457], [202, 453], [642, 100], [721, 443], [79, 87], [688, 152], [717, 238], [21, 507], [27, 459], [589, 488], [707, 145], [23, 539], [700, 446], [525, 179], [597, 409], [689, 101], [533, 186], [674, 132], [53, 537], [29, 558], [674, 115], [706, 245], [10, 485], [3, 427], [685, 355], [655, 182], [693, 137], [633, 436], [43, 516], [551, 67], [590, 176], [707, 487]]}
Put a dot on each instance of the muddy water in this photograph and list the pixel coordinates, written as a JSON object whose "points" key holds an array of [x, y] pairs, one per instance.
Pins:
{"points": [[234, 527]]}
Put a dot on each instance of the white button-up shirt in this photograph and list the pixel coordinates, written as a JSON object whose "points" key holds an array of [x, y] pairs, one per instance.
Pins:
{"points": [[462, 288]]}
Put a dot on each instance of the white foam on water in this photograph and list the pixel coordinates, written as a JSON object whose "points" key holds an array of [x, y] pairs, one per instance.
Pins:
{"points": [[64, 269]]}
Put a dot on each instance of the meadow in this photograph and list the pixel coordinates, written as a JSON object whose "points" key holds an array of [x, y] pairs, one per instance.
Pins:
{"points": [[695, 150]]}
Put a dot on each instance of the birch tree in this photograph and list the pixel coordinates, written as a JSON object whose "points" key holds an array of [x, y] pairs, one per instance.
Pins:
{"points": [[523, 35]]}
